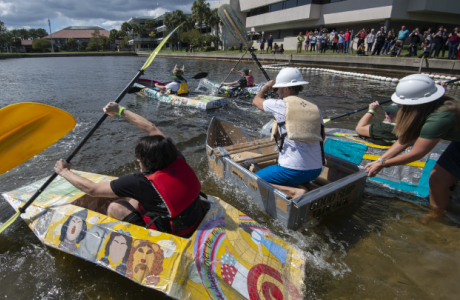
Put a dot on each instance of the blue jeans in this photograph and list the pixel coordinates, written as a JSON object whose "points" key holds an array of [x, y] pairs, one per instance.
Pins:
{"points": [[346, 44], [285, 176], [452, 47], [384, 48]]}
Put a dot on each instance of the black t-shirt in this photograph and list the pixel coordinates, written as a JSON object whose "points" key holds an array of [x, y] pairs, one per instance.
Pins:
{"points": [[415, 39], [381, 39], [438, 38], [138, 187]]}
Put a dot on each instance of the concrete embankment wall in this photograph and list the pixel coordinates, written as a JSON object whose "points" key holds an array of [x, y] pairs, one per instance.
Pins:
{"points": [[352, 61], [68, 54]]}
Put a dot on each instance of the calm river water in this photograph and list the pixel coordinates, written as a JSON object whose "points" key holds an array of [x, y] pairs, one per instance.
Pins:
{"points": [[376, 249]]}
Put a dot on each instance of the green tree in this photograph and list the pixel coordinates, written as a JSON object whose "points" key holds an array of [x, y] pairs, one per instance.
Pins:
{"points": [[214, 20], [113, 36], [41, 32], [172, 20], [70, 42], [96, 41], [189, 36], [62, 47], [150, 24], [33, 33], [126, 28], [41, 44], [23, 33], [199, 10], [189, 23]]}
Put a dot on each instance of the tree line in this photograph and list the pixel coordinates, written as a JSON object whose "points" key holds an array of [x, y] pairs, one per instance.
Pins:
{"points": [[14, 37]]}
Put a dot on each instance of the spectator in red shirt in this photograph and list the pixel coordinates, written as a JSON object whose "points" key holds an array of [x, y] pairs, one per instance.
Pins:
{"points": [[346, 41]]}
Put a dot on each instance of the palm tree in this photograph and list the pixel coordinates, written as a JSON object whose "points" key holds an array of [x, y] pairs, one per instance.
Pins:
{"points": [[189, 23], [33, 33], [199, 10], [126, 28], [174, 19]]}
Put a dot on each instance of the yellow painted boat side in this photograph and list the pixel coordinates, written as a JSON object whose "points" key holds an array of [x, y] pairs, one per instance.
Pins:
{"points": [[230, 256]]}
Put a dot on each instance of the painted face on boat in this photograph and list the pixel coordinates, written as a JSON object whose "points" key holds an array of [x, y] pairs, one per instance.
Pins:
{"points": [[143, 259], [117, 249], [74, 228]]}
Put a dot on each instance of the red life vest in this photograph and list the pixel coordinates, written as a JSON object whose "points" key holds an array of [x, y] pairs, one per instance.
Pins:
{"points": [[178, 187], [250, 80]]}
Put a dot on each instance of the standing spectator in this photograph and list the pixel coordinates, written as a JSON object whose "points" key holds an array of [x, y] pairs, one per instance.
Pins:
{"points": [[307, 42], [333, 32], [426, 46], [445, 42], [316, 31], [361, 36], [346, 43], [437, 42], [380, 41], [391, 39], [427, 35], [335, 41], [262, 45], [454, 39], [241, 47], [381, 31], [313, 43], [324, 42], [191, 47], [341, 36], [270, 43], [370, 41], [414, 42], [403, 34], [300, 40]]}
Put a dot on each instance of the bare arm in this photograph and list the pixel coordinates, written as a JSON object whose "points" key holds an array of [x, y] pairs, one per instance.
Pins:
{"points": [[113, 108], [93, 189], [230, 83], [259, 98], [238, 72], [421, 148], [363, 125], [160, 87]]}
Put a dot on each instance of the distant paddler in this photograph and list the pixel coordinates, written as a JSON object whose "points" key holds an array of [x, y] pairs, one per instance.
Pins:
{"points": [[179, 86], [380, 130], [163, 196], [426, 116], [298, 127], [246, 79]]}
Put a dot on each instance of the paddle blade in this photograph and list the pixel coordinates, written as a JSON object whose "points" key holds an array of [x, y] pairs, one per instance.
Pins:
{"points": [[157, 49], [200, 75], [233, 23], [326, 120], [10, 221], [27, 129]]}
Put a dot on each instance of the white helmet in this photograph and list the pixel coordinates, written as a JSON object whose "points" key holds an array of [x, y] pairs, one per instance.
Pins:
{"points": [[289, 77], [417, 89]]}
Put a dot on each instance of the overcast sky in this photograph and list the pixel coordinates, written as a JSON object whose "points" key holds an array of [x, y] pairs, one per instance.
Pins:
{"points": [[62, 13]]}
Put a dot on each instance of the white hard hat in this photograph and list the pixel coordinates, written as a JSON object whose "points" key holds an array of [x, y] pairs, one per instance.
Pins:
{"points": [[417, 89], [289, 77]]}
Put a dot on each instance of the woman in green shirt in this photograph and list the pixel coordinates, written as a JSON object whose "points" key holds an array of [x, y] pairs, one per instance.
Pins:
{"points": [[426, 117]]}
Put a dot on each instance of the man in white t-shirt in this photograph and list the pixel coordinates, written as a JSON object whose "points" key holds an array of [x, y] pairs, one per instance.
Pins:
{"points": [[300, 130]]}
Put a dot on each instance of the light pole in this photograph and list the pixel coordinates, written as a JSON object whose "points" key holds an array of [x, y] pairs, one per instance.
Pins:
{"points": [[52, 47]]}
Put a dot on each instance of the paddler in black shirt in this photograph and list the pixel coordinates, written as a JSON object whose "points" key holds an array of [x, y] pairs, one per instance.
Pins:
{"points": [[164, 196]]}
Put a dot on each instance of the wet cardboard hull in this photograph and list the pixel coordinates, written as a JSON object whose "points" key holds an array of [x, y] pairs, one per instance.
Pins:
{"points": [[347, 181], [228, 257]]}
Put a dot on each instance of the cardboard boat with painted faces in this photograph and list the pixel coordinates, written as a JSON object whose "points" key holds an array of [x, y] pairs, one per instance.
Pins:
{"points": [[235, 154], [230, 256], [198, 101]]}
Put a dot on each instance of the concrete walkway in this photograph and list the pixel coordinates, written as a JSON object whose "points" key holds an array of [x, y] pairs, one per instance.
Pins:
{"points": [[374, 62]]}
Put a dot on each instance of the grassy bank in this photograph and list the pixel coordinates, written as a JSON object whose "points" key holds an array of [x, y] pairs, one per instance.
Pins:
{"points": [[68, 53], [293, 52]]}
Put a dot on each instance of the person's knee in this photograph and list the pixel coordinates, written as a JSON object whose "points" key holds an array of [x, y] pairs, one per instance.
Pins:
{"points": [[440, 179], [119, 209]]}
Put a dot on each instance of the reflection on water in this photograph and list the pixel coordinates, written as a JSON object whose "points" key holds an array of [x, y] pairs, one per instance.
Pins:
{"points": [[375, 249]]}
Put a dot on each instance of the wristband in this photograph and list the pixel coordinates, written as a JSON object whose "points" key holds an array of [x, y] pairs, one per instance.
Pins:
{"points": [[371, 111], [121, 110], [383, 162]]}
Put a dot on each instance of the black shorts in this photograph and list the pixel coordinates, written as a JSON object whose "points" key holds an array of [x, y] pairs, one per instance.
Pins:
{"points": [[135, 218], [450, 159]]}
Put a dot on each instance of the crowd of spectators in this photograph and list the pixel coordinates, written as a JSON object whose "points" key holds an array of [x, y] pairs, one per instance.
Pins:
{"points": [[431, 43]]}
